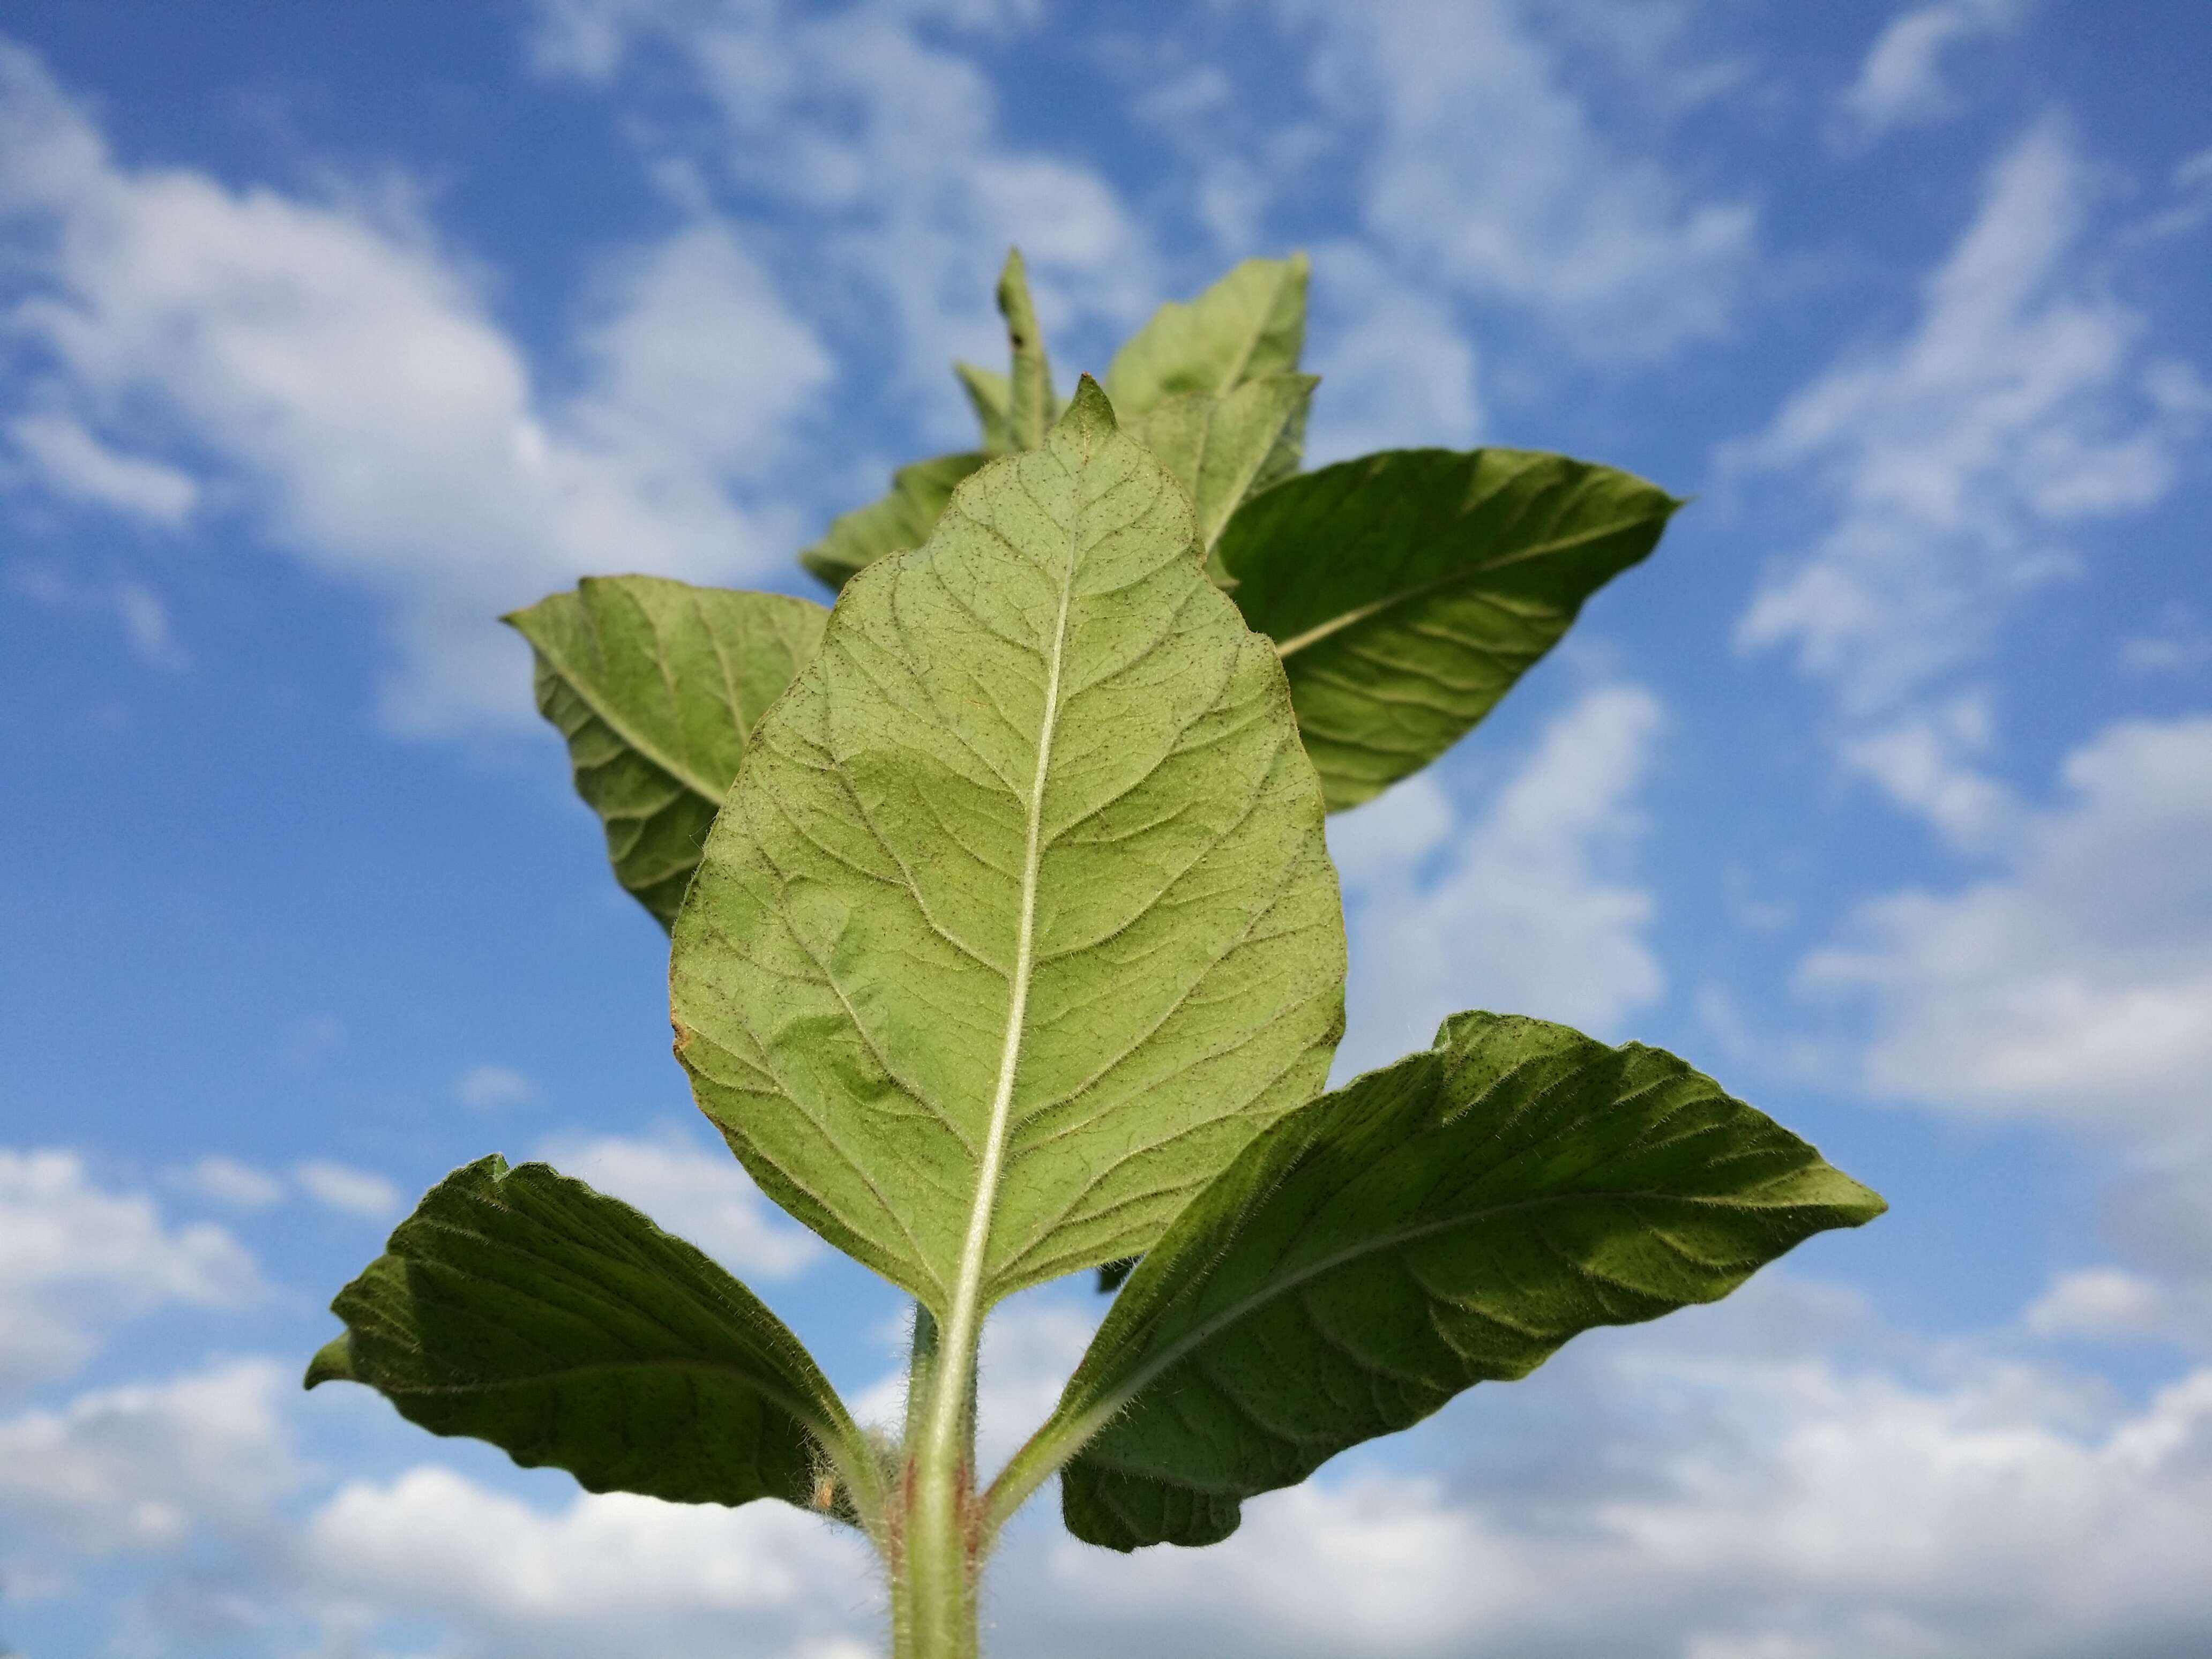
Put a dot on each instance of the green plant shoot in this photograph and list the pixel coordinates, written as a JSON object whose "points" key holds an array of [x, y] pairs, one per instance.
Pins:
{"points": [[1005, 945]]}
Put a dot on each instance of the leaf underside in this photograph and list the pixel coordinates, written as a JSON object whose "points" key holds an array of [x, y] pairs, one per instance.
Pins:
{"points": [[520, 1307], [1249, 324], [654, 684], [1047, 712], [897, 521], [1408, 590], [1450, 1219], [1220, 448]]}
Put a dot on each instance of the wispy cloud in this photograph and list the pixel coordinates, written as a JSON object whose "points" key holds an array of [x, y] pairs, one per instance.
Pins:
{"points": [[1959, 454], [1957, 467], [2019, 404], [340, 368], [1521, 907], [696, 1190], [2073, 986], [76, 1257], [1490, 177], [876, 128], [1902, 83], [349, 1191], [131, 604]]}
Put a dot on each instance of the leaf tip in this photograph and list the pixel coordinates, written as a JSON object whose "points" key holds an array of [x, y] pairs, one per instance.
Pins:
{"points": [[333, 1362], [1089, 412], [1013, 286]]}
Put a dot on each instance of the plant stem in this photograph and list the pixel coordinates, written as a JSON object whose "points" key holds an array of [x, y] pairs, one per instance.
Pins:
{"points": [[933, 1560]]}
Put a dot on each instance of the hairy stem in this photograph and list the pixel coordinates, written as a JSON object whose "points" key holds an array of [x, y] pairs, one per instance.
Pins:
{"points": [[933, 1554]]}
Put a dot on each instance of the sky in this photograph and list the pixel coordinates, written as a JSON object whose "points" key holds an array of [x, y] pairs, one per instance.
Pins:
{"points": [[1882, 792]]}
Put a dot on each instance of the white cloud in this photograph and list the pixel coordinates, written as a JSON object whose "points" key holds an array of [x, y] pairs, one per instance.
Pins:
{"points": [[696, 1190], [142, 1467], [488, 1087], [349, 1191], [2181, 645], [72, 462], [1397, 368], [1901, 83], [228, 1181], [343, 369], [1517, 908], [2075, 985], [874, 122], [1762, 1507], [75, 1257], [1695, 1496], [1924, 762], [1491, 176], [1956, 457], [2098, 1302], [611, 1574], [1709, 1486]]}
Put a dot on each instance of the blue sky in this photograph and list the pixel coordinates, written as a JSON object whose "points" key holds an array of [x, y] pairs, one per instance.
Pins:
{"points": [[1882, 792]]}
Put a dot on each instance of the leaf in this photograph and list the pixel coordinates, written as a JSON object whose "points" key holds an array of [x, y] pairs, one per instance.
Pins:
{"points": [[1217, 447], [1028, 397], [1407, 591], [902, 520], [1447, 1220], [1250, 324], [1111, 1274], [655, 684], [990, 395], [519, 1306], [1018, 923]]}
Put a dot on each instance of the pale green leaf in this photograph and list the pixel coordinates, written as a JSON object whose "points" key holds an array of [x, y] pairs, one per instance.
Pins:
{"points": [[991, 396], [1219, 447], [901, 520], [1250, 324], [1407, 591], [519, 1306], [1018, 924], [654, 683], [1029, 395], [1447, 1220]]}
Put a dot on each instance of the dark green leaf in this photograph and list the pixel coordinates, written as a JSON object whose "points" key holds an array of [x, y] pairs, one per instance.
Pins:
{"points": [[520, 1307], [1112, 1273], [1407, 591], [1447, 1220], [902, 520], [655, 685]]}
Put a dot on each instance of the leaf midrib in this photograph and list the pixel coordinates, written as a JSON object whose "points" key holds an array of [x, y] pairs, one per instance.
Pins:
{"points": [[963, 1326], [582, 689], [1357, 614]]}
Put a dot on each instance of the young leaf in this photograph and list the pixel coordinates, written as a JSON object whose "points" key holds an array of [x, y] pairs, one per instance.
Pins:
{"points": [[1249, 324], [1018, 925], [1447, 1220], [1218, 446], [655, 684], [1407, 591], [1029, 394], [991, 396], [519, 1306], [902, 520]]}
